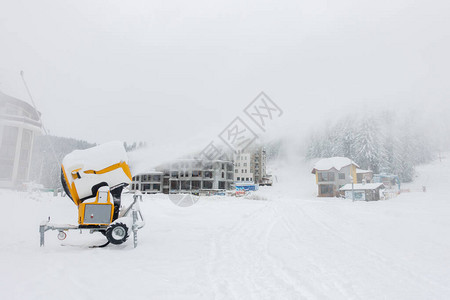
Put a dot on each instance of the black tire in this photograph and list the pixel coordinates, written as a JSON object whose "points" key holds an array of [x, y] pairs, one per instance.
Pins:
{"points": [[117, 233]]}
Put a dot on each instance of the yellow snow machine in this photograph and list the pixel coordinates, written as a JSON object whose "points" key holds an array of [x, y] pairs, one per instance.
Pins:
{"points": [[94, 179]]}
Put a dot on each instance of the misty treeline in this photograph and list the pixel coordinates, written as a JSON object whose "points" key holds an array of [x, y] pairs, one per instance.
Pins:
{"points": [[48, 153], [134, 146], [382, 142]]}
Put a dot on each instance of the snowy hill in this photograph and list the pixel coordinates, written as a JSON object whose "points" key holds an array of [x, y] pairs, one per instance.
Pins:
{"points": [[290, 246]]}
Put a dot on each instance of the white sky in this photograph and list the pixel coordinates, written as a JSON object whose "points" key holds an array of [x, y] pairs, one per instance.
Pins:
{"points": [[182, 70]]}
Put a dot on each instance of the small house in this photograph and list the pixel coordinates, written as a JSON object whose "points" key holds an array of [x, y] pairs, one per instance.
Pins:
{"points": [[361, 191]]}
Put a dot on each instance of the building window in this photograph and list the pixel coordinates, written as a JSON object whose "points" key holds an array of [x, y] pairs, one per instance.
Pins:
{"points": [[196, 184], [341, 175], [157, 187], [239, 179], [235, 171], [207, 184]]}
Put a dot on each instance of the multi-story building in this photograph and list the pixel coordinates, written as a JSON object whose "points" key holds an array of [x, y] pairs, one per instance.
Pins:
{"points": [[258, 165], [148, 183], [242, 167], [19, 123], [250, 166], [186, 175]]}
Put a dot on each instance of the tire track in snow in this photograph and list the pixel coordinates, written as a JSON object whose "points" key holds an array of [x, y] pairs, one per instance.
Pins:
{"points": [[241, 266], [382, 263]]}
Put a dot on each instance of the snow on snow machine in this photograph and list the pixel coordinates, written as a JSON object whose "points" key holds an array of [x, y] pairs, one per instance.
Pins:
{"points": [[94, 179]]}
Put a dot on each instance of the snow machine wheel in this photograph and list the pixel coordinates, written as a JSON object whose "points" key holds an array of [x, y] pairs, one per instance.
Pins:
{"points": [[62, 235], [117, 233]]}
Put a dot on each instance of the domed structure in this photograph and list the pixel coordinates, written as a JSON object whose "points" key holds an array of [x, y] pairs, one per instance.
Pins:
{"points": [[19, 123]]}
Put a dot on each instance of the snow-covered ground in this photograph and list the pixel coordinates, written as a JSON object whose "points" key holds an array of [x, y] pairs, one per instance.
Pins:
{"points": [[290, 246]]}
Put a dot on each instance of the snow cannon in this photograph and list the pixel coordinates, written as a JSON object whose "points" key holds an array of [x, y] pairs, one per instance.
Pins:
{"points": [[94, 179]]}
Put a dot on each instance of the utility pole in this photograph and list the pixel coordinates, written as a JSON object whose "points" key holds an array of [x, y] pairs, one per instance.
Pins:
{"points": [[353, 189]]}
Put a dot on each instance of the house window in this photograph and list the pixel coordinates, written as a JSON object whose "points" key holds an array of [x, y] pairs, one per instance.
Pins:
{"points": [[341, 175], [326, 176], [326, 189], [323, 176]]}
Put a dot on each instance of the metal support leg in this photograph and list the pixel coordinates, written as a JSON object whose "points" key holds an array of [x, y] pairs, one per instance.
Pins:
{"points": [[42, 232], [135, 227]]}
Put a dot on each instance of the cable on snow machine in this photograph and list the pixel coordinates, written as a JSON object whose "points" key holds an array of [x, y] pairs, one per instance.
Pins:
{"points": [[94, 179]]}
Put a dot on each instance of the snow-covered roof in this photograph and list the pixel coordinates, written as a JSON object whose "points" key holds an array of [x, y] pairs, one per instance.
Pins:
{"points": [[333, 162], [361, 171], [360, 186]]}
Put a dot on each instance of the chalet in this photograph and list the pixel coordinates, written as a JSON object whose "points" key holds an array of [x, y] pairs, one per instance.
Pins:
{"points": [[333, 173]]}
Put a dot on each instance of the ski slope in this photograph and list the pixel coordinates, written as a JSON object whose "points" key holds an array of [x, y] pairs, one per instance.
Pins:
{"points": [[290, 246]]}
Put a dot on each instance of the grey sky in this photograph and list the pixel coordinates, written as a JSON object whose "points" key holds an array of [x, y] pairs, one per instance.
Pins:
{"points": [[177, 70]]}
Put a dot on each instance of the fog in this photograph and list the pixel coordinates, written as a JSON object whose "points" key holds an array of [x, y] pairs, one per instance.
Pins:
{"points": [[176, 73]]}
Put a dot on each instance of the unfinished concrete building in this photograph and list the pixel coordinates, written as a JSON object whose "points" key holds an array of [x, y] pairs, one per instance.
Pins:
{"points": [[186, 176]]}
